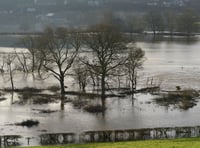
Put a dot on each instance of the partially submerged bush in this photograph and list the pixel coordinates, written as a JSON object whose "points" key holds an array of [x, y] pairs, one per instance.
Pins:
{"points": [[45, 111], [54, 88], [28, 123], [2, 99], [79, 103], [37, 98], [83, 94], [95, 108], [42, 100], [178, 88], [183, 99], [25, 89], [186, 105]]}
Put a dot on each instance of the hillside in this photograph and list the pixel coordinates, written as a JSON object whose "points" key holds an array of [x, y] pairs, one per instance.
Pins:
{"points": [[34, 15]]}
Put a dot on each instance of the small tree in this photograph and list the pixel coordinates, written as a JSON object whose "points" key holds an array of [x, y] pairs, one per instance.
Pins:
{"points": [[59, 48], [11, 68], [29, 43], [81, 74], [133, 63], [105, 42], [22, 58]]}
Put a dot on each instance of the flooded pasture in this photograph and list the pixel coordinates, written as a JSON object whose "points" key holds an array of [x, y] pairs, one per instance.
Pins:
{"points": [[169, 63]]}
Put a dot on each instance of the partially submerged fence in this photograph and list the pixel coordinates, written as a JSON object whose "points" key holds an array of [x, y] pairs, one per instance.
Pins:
{"points": [[120, 135], [9, 140], [105, 136]]}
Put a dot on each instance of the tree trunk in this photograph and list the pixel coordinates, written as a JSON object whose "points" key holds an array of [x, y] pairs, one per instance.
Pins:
{"points": [[62, 86], [103, 89], [119, 82], [135, 79], [39, 67], [12, 97], [11, 78], [33, 63], [62, 104]]}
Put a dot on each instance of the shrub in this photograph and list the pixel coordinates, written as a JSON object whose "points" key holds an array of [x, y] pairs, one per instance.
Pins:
{"points": [[54, 88], [184, 99], [28, 123], [95, 108]]}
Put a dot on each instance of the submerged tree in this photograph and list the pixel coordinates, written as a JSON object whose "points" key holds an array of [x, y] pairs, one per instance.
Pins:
{"points": [[29, 43], [11, 69], [58, 49], [22, 58], [133, 64], [81, 73], [106, 43]]}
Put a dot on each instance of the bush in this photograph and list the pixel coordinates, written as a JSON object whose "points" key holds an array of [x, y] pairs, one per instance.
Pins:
{"points": [[79, 103], [24, 90], [95, 108], [54, 88], [184, 99], [28, 123]]}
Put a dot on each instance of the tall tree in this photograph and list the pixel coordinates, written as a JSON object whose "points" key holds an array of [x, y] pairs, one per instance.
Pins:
{"points": [[59, 48], [81, 73], [105, 42], [29, 43], [133, 64], [11, 67]]}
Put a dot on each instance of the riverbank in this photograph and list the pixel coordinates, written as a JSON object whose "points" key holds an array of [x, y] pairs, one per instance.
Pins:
{"points": [[178, 143]]}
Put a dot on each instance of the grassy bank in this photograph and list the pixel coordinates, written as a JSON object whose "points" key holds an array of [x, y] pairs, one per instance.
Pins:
{"points": [[177, 143]]}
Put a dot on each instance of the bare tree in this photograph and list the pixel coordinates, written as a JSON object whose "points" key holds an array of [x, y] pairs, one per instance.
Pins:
{"points": [[11, 68], [29, 42], [23, 61], [134, 62], [81, 74], [3, 63], [59, 48], [105, 42], [33, 60]]}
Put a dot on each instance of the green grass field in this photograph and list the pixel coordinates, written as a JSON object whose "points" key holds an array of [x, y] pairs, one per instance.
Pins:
{"points": [[177, 143]]}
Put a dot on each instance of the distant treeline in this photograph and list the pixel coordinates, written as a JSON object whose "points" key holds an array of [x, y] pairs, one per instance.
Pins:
{"points": [[35, 15]]}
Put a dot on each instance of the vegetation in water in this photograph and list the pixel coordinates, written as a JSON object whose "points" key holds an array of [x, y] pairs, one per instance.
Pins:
{"points": [[95, 108], [28, 123], [182, 99]]}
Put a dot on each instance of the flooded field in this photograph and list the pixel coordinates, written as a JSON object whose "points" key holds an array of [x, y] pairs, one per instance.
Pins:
{"points": [[169, 63]]}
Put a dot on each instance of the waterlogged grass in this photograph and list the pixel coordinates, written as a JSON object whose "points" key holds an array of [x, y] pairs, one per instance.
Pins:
{"points": [[177, 143]]}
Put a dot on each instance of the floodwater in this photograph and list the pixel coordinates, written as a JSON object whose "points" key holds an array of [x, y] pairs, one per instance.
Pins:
{"points": [[169, 63]]}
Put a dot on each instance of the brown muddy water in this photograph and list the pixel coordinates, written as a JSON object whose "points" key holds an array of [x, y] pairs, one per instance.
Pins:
{"points": [[169, 63]]}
